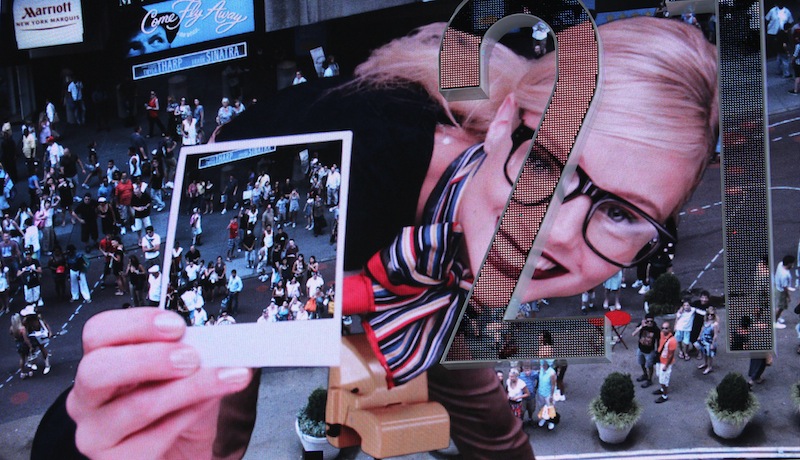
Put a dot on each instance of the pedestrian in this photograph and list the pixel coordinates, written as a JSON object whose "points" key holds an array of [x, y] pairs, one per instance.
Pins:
{"points": [[151, 247], [611, 288], [667, 346], [684, 318], [39, 334], [137, 276], [92, 165], [233, 234], [545, 393], [154, 286], [86, 213], [23, 345], [196, 224], [225, 113], [78, 265], [320, 224], [189, 130], [531, 379], [648, 344], [249, 246], [234, 287], [58, 266], [518, 391], [230, 194], [153, 118], [200, 120], [4, 288], [707, 342], [30, 274], [783, 288]]}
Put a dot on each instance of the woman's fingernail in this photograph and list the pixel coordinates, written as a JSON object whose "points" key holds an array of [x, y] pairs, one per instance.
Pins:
{"points": [[233, 375], [184, 358], [169, 323]]}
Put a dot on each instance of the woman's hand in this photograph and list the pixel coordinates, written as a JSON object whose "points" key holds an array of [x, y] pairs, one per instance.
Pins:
{"points": [[140, 393]]}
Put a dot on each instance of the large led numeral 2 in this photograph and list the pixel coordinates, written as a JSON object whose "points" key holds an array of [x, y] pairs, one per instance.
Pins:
{"points": [[463, 75]]}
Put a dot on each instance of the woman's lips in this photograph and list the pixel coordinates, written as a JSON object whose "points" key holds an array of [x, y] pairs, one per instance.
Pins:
{"points": [[547, 268]]}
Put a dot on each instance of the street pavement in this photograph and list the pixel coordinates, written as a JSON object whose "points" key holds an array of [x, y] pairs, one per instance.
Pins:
{"points": [[664, 430]]}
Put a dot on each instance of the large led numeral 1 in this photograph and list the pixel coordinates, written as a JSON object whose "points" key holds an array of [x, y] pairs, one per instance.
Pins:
{"points": [[463, 76]]}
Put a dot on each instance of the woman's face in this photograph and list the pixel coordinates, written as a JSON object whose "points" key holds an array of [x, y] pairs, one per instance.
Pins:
{"points": [[654, 180]]}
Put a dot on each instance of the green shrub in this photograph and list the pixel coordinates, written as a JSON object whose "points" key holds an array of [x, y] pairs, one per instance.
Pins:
{"points": [[311, 417], [664, 296], [617, 392], [732, 401], [616, 405], [732, 393]]}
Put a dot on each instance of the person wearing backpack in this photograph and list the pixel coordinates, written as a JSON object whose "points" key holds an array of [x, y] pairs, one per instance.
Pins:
{"points": [[78, 265]]}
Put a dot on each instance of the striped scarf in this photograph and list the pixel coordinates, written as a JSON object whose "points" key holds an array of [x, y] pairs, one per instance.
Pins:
{"points": [[409, 293]]}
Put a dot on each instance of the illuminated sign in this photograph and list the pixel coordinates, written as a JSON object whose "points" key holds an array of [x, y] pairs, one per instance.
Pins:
{"points": [[233, 155], [188, 61], [39, 23], [162, 26]]}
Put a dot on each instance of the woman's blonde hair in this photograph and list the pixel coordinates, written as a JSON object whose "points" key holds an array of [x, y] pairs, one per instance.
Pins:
{"points": [[660, 88], [659, 79], [415, 57]]}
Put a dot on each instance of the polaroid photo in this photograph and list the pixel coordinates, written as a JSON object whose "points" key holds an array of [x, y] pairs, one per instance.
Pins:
{"points": [[288, 260]]}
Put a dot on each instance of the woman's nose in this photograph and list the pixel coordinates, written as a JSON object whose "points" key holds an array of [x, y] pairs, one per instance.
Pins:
{"points": [[567, 228]]}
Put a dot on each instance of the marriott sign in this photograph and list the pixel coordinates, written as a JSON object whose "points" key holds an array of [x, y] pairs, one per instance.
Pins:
{"points": [[39, 23]]}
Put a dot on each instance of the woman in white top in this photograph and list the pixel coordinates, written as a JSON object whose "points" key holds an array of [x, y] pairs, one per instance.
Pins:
{"points": [[189, 130], [517, 391]]}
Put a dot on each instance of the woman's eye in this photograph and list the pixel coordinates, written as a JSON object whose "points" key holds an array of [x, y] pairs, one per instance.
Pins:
{"points": [[618, 213]]}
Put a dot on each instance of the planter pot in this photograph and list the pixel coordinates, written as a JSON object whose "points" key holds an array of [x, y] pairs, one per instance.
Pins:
{"points": [[726, 430], [312, 444], [611, 434]]}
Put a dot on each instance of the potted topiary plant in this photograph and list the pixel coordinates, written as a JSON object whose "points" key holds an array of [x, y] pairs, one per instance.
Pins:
{"points": [[615, 411], [310, 425], [664, 295], [731, 405]]}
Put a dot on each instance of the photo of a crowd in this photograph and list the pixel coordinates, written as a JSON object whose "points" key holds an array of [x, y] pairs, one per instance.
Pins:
{"points": [[270, 214]]}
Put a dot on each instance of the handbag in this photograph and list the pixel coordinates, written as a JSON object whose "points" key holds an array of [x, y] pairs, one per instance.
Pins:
{"points": [[797, 309], [547, 412]]}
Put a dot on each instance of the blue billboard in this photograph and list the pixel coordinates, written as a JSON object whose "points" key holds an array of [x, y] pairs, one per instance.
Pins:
{"points": [[173, 24]]}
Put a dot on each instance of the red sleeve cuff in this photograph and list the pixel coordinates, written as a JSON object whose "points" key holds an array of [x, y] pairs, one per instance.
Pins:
{"points": [[358, 295]]}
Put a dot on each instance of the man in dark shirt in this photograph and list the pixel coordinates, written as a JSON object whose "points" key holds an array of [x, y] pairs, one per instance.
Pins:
{"points": [[230, 192], [700, 307], [193, 254], [139, 144], [646, 354], [69, 167], [141, 205], [86, 213], [30, 273]]}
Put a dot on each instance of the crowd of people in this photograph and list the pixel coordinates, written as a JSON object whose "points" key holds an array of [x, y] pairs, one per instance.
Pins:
{"points": [[261, 212]]}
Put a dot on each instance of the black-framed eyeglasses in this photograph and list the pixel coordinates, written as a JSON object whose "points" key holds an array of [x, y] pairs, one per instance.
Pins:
{"points": [[614, 228], [541, 166], [518, 137]]}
